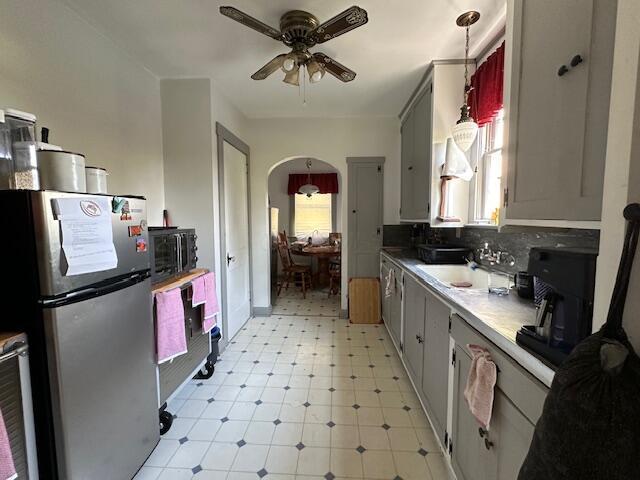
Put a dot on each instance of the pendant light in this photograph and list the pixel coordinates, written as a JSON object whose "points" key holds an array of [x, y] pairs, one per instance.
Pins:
{"points": [[308, 188], [466, 129]]}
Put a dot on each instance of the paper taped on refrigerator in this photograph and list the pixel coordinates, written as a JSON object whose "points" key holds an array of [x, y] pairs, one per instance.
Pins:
{"points": [[87, 235]]}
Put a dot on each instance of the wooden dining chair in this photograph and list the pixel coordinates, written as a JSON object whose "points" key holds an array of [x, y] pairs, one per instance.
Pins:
{"points": [[291, 270], [335, 276]]}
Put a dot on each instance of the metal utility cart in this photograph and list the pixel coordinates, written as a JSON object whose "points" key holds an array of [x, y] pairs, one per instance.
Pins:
{"points": [[173, 375], [16, 405]]}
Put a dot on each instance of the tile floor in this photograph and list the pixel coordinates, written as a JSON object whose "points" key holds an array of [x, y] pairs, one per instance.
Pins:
{"points": [[302, 395]]}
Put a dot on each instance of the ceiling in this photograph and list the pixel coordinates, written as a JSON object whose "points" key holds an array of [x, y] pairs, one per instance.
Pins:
{"points": [[189, 38]]}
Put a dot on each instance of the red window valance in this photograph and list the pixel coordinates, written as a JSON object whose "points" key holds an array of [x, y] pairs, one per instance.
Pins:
{"points": [[326, 182], [485, 98]]}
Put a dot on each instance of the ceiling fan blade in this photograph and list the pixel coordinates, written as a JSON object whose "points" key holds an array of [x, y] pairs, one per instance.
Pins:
{"points": [[334, 68], [269, 68], [248, 21], [344, 22]]}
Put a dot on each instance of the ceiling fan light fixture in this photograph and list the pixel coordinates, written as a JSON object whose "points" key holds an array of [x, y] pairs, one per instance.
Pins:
{"points": [[293, 77], [316, 72], [289, 64]]}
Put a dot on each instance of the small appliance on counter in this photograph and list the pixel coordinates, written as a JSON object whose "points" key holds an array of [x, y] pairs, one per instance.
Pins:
{"points": [[173, 252], [564, 316], [443, 254]]}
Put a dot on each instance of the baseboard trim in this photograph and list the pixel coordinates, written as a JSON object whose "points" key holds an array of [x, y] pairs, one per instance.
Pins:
{"points": [[262, 311], [344, 314]]}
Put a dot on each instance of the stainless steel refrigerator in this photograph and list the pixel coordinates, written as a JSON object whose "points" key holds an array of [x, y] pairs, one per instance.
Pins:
{"points": [[91, 335]]}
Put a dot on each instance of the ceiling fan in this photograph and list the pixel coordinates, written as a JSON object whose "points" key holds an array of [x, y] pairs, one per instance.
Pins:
{"points": [[300, 31]]}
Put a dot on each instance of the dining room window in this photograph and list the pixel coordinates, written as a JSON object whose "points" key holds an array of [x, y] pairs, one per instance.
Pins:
{"points": [[313, 213]]}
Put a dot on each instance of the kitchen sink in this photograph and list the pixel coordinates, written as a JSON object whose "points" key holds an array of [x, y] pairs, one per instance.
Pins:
{"points": [[454, 276]]}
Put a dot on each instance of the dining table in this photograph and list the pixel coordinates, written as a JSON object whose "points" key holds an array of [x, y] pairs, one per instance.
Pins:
{"points": [[324, 254]]}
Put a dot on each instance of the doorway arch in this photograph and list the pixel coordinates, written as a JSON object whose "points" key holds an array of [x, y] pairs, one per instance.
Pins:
{"points": [[278, 198]]}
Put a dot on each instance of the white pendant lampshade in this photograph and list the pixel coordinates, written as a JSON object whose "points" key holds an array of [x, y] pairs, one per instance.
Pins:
{"points": [[466, 129], [464, 134], [308, 188], [455, 163]]}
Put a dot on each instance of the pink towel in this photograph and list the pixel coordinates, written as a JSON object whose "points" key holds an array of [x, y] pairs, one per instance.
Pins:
{"points": [[480, 383], [7, 468], [204, 292], [171, 340]]}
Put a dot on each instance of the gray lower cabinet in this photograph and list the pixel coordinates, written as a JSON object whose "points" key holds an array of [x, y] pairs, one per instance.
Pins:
{"points": [[435, 370], [557, 107], [414, 302], [392, 304], [497, 454]]}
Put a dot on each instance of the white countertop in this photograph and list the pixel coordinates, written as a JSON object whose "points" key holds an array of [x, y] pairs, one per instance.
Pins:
{"points": [[496, 317]]}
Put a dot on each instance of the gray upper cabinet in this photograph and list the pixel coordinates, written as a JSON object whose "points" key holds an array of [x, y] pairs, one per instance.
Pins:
{"points": [[416, 159], [435, 371], [414, 313], [557, 119], [406, 164]]}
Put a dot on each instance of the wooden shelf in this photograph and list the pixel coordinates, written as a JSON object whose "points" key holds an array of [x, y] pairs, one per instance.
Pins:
{"points": [[178, 282]]}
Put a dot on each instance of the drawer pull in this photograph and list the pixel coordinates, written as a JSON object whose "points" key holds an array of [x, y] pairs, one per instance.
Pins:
{"points": [[562, 70]]}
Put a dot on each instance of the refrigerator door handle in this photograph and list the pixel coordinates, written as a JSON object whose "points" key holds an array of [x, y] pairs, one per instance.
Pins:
{"points": [[96, 291]]}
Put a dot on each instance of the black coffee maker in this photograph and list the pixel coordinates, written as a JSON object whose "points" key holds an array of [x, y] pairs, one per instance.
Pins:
{"points": [[565, 313]]}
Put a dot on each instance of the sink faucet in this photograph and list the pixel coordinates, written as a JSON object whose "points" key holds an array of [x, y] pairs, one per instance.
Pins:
{"points": [[497, 257]]}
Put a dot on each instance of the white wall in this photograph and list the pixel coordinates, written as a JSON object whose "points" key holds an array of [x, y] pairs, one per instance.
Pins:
{"points": [[329, 140], [190, 110], [95, 99], [278, 187], [622, 171]]}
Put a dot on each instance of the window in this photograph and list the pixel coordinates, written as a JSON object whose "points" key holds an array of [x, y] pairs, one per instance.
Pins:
{"points": [[486, 184], [313, 213]]}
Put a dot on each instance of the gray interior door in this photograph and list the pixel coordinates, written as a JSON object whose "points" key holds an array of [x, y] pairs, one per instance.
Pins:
{"points": [[101, 355], [365, 215]]}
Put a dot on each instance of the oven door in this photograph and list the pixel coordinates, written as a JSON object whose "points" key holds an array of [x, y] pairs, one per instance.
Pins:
{"points": [[164, 251]]}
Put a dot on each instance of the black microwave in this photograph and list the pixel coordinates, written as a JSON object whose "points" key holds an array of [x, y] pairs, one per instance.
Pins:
{"points": [[173, 252]]}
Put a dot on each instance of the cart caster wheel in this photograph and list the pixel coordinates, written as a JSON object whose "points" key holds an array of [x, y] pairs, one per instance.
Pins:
{"points": [[205, 372], [166, 419]]}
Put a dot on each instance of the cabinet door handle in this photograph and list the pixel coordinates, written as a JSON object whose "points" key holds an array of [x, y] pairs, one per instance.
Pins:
{"points": [[577, 60], [482, 432], [419, 339], [562, 70], [488, 444], [410, 168]]}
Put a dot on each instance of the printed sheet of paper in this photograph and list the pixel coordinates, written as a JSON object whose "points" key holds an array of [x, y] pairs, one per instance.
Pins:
{"points": [[87, 235]]}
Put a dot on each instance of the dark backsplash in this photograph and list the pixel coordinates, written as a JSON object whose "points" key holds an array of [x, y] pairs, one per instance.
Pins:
{"points": [[515, 240], [519, 240]]}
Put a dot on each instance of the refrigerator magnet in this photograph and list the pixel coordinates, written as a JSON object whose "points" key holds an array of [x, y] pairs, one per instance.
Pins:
{"points": [[141, 245]]}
